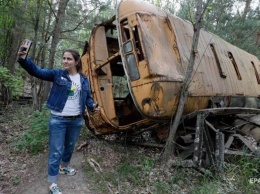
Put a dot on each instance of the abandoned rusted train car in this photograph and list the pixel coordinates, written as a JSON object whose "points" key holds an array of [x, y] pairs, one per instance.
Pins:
{"points": [[136, 63]]}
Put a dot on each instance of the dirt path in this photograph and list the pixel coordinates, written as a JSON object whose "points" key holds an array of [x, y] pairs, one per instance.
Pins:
{"points": [[37, 183], [22, 173]]}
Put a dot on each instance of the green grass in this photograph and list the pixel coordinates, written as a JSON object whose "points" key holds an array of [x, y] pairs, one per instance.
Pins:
{"points": [[242, 170]]}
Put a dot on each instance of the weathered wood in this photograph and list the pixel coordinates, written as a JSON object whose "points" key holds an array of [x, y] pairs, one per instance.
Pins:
{"points": [[198, 141], [220, 157], [209, 147], [246, 142]]}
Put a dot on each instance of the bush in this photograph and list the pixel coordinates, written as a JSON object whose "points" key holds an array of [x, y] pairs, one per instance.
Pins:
{"points": [[34, 139], [11, 82]]}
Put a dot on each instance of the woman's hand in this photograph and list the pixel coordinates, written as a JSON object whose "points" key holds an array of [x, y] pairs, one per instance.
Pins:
{"points": [[24, 49], [21, 54], [96, 108]]}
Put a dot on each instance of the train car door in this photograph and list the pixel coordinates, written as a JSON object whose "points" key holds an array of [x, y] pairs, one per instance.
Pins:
{"points": [[103, 81]]}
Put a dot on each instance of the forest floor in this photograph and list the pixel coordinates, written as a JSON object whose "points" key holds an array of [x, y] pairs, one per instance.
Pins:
{"points": [[37, 182], [104, 167], [24, 173]]}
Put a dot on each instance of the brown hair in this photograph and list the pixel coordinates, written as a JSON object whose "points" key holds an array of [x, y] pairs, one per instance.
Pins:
{"points": [[76, 57]]}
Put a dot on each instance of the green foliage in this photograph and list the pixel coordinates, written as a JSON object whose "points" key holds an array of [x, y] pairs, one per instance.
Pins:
{"points": [[16, 180], [6, 23], [11, 82], [187, 10], [34, 139]]}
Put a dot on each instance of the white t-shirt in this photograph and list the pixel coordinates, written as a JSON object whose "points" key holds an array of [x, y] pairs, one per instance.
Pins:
{"points": [[72, 106]]}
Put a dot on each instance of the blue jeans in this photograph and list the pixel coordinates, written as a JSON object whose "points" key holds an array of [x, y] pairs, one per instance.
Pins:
{"points": [[63, 135]]}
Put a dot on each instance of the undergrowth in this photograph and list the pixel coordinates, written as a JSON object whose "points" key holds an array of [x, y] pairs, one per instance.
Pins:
{"points": [[34, 139], [243, 171], [134, 170]]}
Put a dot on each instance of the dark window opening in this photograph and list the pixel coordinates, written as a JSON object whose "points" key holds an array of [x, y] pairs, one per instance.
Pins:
{"points": [[112, 41], [112, 48], [126, 36], [126, 111], [125, 30], [222, 74], [230, 55], [256, 73], [129, 50], [138, 46]]}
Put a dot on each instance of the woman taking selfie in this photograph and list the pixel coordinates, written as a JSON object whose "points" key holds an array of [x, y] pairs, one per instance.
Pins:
{"points": [[68, 98]]}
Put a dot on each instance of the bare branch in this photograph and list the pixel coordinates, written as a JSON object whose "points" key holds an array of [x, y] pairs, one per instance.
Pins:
{"points": [[50, 5]]}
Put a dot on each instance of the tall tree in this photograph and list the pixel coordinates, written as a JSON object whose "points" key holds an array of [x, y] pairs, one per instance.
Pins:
{"points": [[16, 35], [246, 9], [11, 30], [59, 20], [36, 22]]}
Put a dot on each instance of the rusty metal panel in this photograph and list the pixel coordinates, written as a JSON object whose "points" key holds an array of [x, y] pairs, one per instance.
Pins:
{"points": [[102, 83], [128, 7], [207, 80], [159, 43], [154, 102], [86, 65], [184, 34]]}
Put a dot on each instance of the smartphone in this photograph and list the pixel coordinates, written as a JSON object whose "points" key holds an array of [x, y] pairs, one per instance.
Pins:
{"points": [[25, 47]]}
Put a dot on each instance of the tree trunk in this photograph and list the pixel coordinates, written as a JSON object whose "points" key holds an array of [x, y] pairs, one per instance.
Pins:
{"points": [[257, 38], [12, 41], [36, 104], [169, 147], [55, 39], [17, 37], [247, 7], [41, 58]]}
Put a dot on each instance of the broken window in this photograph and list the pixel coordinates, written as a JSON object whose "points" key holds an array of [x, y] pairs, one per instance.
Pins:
{"points": [[230, 55], [128, 47], [129, 50], [139, 50], [125, 30], [132, 67], [222, 74]]}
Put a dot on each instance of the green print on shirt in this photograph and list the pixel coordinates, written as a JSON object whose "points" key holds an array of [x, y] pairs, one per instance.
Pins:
{"points": [[72, 90]]}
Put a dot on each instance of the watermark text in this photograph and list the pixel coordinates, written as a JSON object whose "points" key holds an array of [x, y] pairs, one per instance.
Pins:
{"points": [[254, 180]]}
